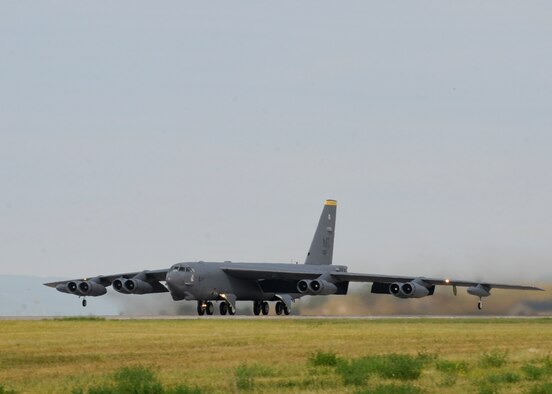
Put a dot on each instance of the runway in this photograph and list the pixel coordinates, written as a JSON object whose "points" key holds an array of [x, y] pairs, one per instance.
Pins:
{"points": [[251, 317]]}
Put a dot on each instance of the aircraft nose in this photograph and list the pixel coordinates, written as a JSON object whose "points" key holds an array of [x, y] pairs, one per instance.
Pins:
{"points": [[171, 275], [174, 279], [170, 279]]}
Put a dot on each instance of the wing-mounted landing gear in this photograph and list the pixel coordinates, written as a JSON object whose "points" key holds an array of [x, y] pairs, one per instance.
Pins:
{"points": [[480, 291]]}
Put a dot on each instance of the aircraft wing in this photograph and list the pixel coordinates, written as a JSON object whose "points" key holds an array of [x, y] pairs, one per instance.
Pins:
{"points": [[106, 280], [354, 277], [259, 273]]}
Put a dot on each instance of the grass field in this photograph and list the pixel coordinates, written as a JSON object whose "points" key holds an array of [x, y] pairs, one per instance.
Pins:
{"points": [[277, 355]]}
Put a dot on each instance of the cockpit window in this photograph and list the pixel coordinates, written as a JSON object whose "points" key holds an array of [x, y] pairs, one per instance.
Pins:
{"points": [[183, 269]]}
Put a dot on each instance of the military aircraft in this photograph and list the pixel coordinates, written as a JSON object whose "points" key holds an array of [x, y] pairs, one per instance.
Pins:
{"points": [[282, 283]]}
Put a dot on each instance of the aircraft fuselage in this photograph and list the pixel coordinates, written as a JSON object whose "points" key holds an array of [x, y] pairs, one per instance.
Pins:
{"points": [[207, 281]]}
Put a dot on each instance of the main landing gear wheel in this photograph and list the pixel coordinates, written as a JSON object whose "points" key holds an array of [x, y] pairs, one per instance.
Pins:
{"points": [[209, 308], [231, 310], [223, 308], [256, 308], [200, 308], [84, 302], [279, 308], [286, 310], [480, 305], [265, 308]]}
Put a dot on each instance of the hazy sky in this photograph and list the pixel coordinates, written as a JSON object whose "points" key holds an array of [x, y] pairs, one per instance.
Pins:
{"points": [[134, 135]]}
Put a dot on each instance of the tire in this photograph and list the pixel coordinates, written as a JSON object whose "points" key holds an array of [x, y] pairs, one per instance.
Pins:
{"points": [[84, 302], [223, 308], [256, 308], [209, 308], [231, 310], [265, 308], [279, 308], [287, 310], [200, 308]]}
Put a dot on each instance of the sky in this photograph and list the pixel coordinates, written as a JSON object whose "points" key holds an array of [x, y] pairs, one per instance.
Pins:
{"points": [[135, 135]]}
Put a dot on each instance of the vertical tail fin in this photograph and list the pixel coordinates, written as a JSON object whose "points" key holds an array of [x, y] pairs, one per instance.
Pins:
{"points": [[321, 249]]}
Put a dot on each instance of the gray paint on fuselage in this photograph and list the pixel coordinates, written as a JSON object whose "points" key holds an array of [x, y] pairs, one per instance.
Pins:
{"points": [[210, 280]]}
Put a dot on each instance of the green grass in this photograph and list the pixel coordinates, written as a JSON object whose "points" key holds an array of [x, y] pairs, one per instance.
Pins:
{"points": [[320, 358], [494, 359], [80, 318], [135, 380], [543, 388], [452, 367], [388, 366], [4, 390], [505, 377], [391, 389], [276, 356], [246, 374]]}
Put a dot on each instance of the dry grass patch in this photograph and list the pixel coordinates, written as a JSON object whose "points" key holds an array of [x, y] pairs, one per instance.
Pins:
{"points": [[275, 355]]}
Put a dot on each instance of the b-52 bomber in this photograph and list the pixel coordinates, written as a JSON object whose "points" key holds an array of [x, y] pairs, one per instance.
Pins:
{"points": [[227, 282]]}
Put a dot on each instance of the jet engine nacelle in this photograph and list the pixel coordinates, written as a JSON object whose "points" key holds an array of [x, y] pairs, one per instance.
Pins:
{"points": [[63, 288], [409, 290], [316, 287], [137, 286], [303, 286], [322, 287], [84, 288], [118, 285]]}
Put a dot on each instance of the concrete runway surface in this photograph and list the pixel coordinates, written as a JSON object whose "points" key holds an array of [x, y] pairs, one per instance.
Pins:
{"points": [[251, 317]]}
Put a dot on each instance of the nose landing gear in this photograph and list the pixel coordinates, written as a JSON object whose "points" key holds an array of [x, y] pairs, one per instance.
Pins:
{"points": [[480, 304]]}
